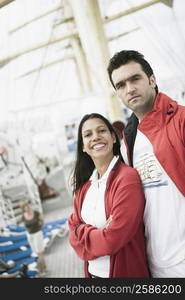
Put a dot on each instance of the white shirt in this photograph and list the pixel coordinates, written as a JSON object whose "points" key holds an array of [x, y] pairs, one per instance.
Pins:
{"points": [[164, 214], [93, 213]]}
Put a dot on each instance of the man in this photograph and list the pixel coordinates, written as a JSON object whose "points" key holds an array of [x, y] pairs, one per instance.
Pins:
{"points": [[155, 146]]}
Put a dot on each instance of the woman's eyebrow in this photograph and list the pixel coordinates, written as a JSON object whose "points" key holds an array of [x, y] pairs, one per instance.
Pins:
{"points": [[95, 128]]}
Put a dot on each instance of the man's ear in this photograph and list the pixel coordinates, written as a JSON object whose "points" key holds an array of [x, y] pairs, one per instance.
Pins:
{"points": [[152, 81]]}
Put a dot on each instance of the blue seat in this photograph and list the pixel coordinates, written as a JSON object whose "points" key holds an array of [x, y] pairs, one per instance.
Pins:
{"points": [[13, 238], [32, 273], [16, 228], [19, 263], [17, 255], [14, 246], [14, 252], [56, 222], [50, 226]]}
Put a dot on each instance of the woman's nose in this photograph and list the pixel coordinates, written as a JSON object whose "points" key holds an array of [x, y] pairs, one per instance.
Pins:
{"points": [[95, 136]]}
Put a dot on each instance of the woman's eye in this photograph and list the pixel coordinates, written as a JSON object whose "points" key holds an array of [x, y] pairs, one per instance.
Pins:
{"points": [[87, 134]]}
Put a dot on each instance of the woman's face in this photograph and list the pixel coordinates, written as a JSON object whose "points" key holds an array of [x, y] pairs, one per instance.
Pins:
{"points": [[97, 139], [27, 208]]}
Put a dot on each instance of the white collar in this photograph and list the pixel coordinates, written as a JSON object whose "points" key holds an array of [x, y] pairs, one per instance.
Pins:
{"points": [[94, 176]]}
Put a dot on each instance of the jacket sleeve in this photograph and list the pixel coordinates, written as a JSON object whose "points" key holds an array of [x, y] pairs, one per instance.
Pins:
{"points": [[74, 222], [183, 128], [126, 214]]}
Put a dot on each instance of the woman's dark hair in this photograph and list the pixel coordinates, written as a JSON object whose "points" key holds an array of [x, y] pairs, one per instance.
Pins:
{"points": [[124, 57], [84, 165]]}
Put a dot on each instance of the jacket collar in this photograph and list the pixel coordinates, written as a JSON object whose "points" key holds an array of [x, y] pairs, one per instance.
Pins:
{"points": [[163, 110], [94, 176]]}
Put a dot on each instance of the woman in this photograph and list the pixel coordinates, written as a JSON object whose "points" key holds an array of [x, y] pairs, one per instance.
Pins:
{"points": [[33, 221], [106, 227]]}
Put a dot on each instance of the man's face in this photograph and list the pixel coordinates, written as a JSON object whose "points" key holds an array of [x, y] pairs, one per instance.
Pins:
{"points": [[134, 88]]}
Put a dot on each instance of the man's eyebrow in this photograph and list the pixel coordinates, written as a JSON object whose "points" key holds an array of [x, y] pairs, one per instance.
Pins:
{"points": [[136, 75], [129, 78]]}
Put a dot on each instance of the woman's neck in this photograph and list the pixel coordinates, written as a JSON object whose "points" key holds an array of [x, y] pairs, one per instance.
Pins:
{"points": [[102, 165]]}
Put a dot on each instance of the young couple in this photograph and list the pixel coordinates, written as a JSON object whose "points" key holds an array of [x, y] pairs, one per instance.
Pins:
{"points": [[128, 218]]}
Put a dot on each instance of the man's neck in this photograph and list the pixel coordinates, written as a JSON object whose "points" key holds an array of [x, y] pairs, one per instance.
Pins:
{"points": [[142, 112]]}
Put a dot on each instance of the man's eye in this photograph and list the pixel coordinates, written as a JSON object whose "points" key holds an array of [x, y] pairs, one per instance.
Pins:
{"points": [[136, 78], [120, 85]]}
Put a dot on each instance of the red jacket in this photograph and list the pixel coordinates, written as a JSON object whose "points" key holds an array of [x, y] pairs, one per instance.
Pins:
{"points": [[164, 126], [124, 238]]}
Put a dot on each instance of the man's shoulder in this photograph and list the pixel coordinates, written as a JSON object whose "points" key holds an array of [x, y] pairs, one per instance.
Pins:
{"points": [[181, 108], [174, 103]]}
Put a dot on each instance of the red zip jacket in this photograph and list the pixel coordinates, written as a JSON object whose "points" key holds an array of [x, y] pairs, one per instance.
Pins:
{"points": [[164, 126], [124, 238]]}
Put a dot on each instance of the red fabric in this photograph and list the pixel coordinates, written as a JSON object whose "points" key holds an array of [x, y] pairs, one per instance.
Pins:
{"points": [[123, 239], [119, 127], [165, 128]]}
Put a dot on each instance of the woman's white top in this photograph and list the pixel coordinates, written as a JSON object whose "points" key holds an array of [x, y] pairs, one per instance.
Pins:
{"points": [[93, 213]]}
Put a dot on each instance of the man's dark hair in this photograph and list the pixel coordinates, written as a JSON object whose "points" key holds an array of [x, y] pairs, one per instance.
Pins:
{"points": [[126, 56]]}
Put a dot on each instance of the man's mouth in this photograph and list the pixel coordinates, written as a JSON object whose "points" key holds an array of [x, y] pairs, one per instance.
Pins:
{"points": [[133, 98]]}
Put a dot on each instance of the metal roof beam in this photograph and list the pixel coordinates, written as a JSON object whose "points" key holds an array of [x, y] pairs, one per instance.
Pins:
{"points": [[5, 2], [107, 19], [137, 8], [36, 19], [42, 67], [111, 38], [168, 2], [6, 60], [69, 19]]}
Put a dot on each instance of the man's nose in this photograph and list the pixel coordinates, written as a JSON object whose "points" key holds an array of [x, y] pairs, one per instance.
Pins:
{"points": [[130, 87]]}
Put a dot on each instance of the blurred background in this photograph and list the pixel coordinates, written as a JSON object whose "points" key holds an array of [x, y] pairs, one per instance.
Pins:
{"points": [[53, 61]]}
